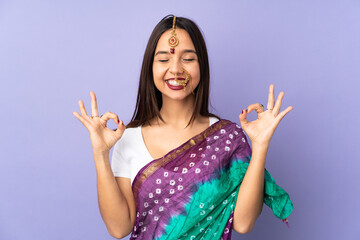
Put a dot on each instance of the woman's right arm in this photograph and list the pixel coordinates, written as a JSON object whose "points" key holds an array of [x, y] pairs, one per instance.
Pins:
{"points": [[116, 200]]}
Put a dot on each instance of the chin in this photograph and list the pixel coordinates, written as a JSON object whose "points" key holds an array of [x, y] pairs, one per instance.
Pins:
{"points": [[177, 96]]}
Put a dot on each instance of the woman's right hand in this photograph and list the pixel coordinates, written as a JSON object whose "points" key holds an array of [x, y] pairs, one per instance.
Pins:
{"points": [[102, 138]]}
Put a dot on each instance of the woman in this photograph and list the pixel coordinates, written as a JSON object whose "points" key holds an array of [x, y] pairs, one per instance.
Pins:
{"points": [[177, 170]]}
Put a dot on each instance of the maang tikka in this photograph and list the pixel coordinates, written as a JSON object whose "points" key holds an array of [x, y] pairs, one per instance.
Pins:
{"points": [[173, 40]]}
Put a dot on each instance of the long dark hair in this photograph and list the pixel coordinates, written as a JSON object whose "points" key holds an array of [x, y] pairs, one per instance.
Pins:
{"points": [[149, 99]]}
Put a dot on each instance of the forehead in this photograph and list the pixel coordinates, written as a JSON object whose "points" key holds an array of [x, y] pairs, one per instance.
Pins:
{"points": [[185, 41]]}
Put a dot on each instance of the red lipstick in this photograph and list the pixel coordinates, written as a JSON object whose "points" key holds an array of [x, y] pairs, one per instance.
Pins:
{"points": [[180, 87]]}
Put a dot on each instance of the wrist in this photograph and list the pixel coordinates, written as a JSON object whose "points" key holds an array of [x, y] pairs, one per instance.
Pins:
{"points": [[98, 152], [260, 146], [101, 154]]}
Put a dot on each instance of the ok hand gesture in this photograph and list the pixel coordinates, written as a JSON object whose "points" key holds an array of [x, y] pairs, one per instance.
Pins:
{"points": [[102, 138], [261, 130]]}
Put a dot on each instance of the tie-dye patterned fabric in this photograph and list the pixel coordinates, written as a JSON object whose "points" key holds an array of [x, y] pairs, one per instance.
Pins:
{"points": [[191, 192]]}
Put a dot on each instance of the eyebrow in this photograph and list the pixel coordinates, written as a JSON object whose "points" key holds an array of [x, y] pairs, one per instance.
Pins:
{"points": [[184, 51]]}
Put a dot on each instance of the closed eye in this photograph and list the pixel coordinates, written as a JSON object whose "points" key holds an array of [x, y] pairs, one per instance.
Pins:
{"points": [[189, 60], [163, 60]]}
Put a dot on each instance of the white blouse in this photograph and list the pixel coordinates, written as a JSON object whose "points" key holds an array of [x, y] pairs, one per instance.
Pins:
{"points": [[130, 153]]}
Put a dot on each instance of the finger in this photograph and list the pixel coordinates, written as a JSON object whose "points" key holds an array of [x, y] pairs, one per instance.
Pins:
{"points": [[82, 108], [283, 113], [81, 118], [120, 129], [271, 97], [242, 117], [278, 103], [94, 109], [257, 107], [110, 115]]}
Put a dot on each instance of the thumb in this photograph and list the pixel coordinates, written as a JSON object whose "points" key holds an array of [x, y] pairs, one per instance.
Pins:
{"points": [[242, 118]]}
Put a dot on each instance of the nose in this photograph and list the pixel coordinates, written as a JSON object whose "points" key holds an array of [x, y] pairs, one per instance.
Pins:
{"points": [[175, 67]]}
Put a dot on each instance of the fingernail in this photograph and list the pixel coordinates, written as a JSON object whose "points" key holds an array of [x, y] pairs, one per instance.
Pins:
{"points": [[242, 111], [246, 110]]}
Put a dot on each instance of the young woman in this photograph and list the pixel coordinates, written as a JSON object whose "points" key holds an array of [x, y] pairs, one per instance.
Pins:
{"points": [[178, 171]]}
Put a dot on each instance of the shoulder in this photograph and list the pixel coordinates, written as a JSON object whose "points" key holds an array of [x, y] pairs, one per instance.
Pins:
{"points": [[130, 137], [233, 129], [225, 123], [213, 120], [234, 138]]}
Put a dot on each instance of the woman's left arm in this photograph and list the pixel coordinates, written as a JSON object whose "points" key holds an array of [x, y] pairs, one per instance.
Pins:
{"points": [[260, 131]]}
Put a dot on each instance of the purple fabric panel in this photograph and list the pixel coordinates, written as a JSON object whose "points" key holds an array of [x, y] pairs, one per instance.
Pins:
{"points": [[244, 151], [165, 192]]}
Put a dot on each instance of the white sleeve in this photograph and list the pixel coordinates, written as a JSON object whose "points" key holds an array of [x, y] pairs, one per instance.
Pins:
{"points": [[120, 166]]}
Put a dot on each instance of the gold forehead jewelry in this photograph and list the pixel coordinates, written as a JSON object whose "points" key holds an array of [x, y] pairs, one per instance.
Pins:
{"points": [[173, 40]]}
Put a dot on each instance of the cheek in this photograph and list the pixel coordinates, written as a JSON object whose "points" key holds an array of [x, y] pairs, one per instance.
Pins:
{"points": [[195, 74], [158, 72]]}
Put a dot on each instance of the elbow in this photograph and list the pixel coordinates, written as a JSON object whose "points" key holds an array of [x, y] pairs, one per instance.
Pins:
{"points": [[115, 235], [243, 229], [243, 226], [120, 229], [118, 234]]}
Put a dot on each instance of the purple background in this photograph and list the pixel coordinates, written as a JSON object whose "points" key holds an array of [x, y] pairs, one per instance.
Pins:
{"points": [[53, 53]]}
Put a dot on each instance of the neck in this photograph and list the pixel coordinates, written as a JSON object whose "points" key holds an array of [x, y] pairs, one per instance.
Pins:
{"points": [[177, 112]]}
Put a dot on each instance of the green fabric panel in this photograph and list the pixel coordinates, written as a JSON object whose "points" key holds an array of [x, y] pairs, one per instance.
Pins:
{"points": [[276, 198], [210, 207]]}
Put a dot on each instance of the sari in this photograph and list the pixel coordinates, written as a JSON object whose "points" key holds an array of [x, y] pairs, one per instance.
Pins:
{"points": [[191, 192]]}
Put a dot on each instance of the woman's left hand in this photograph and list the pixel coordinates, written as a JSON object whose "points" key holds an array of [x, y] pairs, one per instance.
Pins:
{"points": [[261, 130]]}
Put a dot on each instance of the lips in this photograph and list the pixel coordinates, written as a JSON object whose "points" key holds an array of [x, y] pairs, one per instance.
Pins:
{"points": [[175, 86]]}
